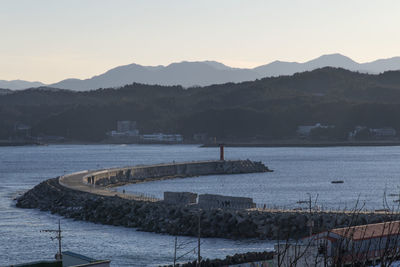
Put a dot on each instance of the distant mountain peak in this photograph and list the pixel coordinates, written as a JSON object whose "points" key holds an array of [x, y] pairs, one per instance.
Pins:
{"points": [[217, 65], [333, 55], [202, 73], [19, 84], [333, 59]]}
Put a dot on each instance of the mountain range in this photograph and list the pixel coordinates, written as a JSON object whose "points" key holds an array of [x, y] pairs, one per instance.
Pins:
{"points": [[203, 73], [264, 109], [19, 84]]}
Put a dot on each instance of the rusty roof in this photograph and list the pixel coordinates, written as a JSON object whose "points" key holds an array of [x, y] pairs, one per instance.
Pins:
{"points": [[369, 231]]}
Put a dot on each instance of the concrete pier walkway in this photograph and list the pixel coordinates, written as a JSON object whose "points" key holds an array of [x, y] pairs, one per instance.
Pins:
{"points": [[74, 181], [98, 181]]}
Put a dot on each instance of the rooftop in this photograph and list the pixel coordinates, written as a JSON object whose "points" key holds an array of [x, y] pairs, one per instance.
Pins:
{"points": [[78, 256], [369, 231]]}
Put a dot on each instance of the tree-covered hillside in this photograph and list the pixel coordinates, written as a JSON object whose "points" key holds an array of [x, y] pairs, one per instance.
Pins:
{"points": [[269, 108]]}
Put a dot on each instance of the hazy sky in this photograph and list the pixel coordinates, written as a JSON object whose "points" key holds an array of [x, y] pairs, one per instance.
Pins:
{"points": [[50, 40]]}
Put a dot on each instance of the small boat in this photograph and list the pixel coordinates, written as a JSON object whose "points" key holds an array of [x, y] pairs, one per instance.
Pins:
{"points": [[337, 182]]}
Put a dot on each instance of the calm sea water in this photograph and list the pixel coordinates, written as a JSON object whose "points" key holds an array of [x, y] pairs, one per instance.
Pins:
{"points": [[367, 173]]}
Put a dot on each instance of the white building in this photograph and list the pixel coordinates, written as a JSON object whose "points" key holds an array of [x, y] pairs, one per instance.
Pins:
{"points": [[124, 134], [125, 129], [357, 130], [383, 132], [378, 133], [305, 130], [162, 138]]}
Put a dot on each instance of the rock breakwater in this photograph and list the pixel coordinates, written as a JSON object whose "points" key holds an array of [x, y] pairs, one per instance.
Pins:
{"points": [[162, 217], [177, 220]]}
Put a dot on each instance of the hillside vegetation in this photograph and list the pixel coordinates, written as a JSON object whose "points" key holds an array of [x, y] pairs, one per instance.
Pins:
{"points": [[269, 108]]}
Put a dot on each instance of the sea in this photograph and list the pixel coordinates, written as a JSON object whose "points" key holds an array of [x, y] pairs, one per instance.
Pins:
{"points": [[370, 175]]}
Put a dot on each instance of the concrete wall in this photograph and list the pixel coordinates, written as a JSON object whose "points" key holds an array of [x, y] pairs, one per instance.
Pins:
{"points": [[119, 176], [180, 198], [142, 173], [209, 201]]}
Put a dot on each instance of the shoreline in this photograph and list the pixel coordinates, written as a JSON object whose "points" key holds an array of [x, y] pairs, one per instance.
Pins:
{"points": [[20, 143], [226, 144], [307, 144]]}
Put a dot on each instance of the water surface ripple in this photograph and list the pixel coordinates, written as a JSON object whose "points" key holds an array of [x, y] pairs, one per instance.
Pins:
{"points": [[367, 173]]}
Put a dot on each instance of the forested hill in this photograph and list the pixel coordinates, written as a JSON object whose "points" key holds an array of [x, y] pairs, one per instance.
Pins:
{"points": [[269, 108]]}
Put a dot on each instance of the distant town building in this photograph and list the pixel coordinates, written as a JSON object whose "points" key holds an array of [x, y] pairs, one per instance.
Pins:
{"points": [[305, 130], [127, 132], [383, 132], [357, 130], [125, 129], [375, 133], [162, 138]]}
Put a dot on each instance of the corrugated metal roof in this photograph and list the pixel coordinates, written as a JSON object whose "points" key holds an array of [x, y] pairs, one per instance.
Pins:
{"points": [[368, 231]]}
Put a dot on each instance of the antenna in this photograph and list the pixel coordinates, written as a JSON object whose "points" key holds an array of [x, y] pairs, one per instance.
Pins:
{"points": [[310, 222], [58, 237], [198, 241]]}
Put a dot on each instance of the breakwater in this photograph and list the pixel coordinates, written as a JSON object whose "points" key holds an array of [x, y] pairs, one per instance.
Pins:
{"points": [[116, 177], [82, 197]]}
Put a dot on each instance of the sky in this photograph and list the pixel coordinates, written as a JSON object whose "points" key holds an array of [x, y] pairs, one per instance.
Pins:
{"points": [[51, 40]]}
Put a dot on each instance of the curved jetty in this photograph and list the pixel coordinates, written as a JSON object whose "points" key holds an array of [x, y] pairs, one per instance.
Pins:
{"points": [[84, 196]]}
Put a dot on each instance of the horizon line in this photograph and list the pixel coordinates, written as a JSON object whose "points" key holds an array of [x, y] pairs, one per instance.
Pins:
{"points": [[200, 61]]}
